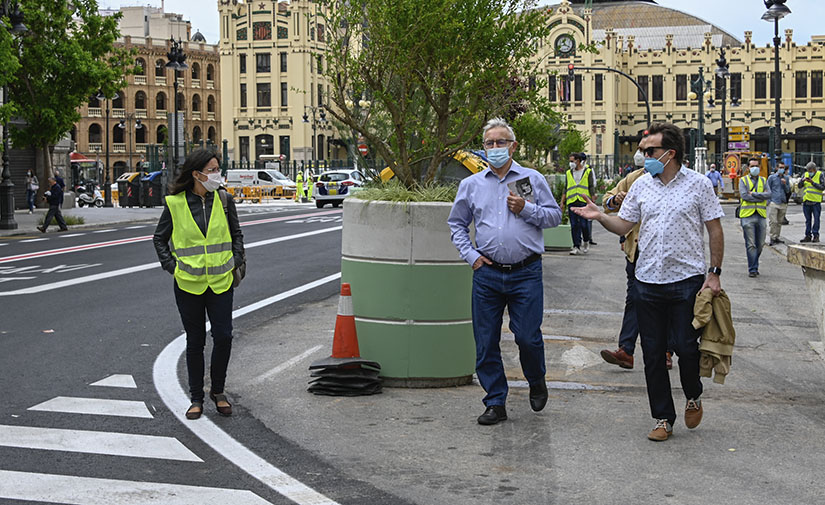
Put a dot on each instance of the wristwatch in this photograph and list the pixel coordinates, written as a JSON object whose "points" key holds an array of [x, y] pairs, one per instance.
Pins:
{"points": [[715, 270]]}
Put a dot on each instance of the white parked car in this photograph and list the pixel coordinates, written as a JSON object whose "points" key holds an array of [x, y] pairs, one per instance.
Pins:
{"points": [[335, 185]]}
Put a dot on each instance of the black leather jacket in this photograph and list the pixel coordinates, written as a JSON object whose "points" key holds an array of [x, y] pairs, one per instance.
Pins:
{"points": [[200, 208]]}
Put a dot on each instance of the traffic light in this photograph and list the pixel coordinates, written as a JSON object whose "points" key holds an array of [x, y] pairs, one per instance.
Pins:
{"points": [[570, 72]]}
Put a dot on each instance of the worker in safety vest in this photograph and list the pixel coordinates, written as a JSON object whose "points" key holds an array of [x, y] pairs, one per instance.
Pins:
{"points": [[811, 186], [309, 177], [299, 186], [753, 212], [581, 182]]}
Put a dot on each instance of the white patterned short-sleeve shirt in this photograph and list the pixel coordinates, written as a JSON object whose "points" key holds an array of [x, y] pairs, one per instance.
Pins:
{"points": [[673, 216]]}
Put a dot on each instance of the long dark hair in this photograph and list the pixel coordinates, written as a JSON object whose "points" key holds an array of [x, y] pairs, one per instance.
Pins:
{"points": [[196, 160]]}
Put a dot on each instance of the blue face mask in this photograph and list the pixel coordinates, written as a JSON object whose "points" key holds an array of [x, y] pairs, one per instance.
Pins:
{"points": [[498, 156], [754, 171], [654, 166], [780, 171]]}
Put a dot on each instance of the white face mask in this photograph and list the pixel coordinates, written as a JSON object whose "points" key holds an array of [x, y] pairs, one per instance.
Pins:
{"points": [[213, 182], [639, 158], [573, 165]]}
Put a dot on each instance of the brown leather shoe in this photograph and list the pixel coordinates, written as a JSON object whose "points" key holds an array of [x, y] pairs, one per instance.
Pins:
{"points": [[619, 357], [661, 431], [693, 413], [669, 360]]}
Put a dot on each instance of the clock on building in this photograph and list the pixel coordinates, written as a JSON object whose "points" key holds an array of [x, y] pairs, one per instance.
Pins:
{"points": [[565, 45]]}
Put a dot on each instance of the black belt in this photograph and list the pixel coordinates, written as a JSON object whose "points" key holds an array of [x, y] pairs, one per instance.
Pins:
{"points": [[512, 267]]}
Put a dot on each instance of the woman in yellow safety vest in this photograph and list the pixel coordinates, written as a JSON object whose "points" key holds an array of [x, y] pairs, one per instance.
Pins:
{"points": [[199, 241]]}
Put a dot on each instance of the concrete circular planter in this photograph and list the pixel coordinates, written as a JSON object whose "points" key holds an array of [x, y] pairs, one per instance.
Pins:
{"points": [[410, 292]]}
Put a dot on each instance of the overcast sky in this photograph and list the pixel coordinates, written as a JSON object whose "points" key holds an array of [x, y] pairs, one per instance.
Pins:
{"points": [[734, 16]]}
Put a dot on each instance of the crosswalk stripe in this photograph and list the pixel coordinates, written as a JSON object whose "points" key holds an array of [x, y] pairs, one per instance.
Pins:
{"points": [[95, 442], [92, 491], [117, 381], [94, 406]]}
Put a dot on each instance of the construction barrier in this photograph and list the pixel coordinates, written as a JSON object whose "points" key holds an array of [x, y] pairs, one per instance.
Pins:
{"points": [[257, 194]]}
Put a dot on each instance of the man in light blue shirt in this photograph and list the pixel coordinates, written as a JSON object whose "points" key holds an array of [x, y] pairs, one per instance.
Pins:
{"points": [[506, 262], [715, 178], [778, 185]]}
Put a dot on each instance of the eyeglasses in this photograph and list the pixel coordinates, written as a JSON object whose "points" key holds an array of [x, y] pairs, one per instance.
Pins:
{"points": [[650, 150], [211, 171], [497, 143]]}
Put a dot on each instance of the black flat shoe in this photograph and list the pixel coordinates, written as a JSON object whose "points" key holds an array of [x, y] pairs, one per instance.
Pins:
{"points": [[195, 410], [493, 415], [218, 398], [538, 395]]}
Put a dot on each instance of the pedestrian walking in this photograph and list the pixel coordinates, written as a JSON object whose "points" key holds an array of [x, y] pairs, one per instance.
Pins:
{"points": [[55, 198], [811, 186], [623, 355], [581, 182], [754, 195], [32, 185], [506, 262], [780, 189], [673, 204], [206, 245], [715, 178]]}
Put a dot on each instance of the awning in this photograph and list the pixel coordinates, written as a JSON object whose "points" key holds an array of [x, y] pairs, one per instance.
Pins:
{"points": [[75, 156]]}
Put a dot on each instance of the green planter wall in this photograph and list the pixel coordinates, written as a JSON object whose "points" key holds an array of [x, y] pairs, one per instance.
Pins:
{"points": [[410, 292], [558, 238]]}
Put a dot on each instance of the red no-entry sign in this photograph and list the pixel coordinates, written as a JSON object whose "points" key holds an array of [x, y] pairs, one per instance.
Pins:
{"points": [[362, 148]]}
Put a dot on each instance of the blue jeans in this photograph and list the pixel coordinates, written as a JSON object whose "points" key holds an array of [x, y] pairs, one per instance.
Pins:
{"points": [[754, 228], [662, 310], [630, 322], [30, 198], [578, 225], [522, 292], [811, 210], [193, 311]]}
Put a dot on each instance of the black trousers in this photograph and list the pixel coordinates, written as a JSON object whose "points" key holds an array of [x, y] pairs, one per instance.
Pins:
{"points": [[54, 212], [193, 311]]}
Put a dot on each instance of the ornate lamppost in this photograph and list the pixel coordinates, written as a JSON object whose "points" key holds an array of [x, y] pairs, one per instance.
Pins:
{"points": [[107, 185], [7, 222], [723, 73], [322, 116], [177, 62], [776, 11], [700, 89]]}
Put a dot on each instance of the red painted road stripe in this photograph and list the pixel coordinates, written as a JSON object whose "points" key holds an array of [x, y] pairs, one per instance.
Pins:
{"points": [[99, 245]]}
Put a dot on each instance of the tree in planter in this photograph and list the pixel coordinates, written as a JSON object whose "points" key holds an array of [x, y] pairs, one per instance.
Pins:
{"points": [[433, 70], [66, 56]]}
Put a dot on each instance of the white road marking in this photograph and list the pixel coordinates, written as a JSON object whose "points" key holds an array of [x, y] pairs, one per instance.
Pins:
{"points": [[574, 386], [290, 237], [117, 381], [104, 231], [4, 243], [288, 363], [90, 491], [578, 358], [72, 235], [577, 312], [136, 227], [33, 240], [95, 442], [94, 406], [165, 377]]}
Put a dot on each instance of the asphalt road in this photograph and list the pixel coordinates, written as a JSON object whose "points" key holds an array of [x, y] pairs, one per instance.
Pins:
{"points": [[93, 305]]}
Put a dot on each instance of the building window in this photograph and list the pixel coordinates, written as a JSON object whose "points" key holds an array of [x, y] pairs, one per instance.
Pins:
{"points": [[196, 103], [243, 95], [320, 95], [642, 93], [284, 101], [210, 104], [321, 35], [658, 88], [160, 101], [160, 134], [816, 84], [599, 88], [211, 134], [196, 134], [140, 100], [578, 90], [140, 66], [262, 62], [802, 84], [551, 88], [242, 63], [160, 68], [736, 85], [140, 135], [283, 146], [681, 87], [94, 134], [264, 95], [244, 148], [196, 70], [760, 86], [320, 64], [210, 72], [283, 62]]}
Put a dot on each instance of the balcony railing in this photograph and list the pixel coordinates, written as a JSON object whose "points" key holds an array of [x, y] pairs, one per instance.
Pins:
{"points": [[141, 114], [95, 147], [121, 113], [210, 84], [210, 116], [160, 80], [95, 112], [160, 114], [140, 79], [118, 148], [140, 148], [196, 114], [196, 83]]}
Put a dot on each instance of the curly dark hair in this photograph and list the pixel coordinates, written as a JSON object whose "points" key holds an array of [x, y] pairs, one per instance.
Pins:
{"points": [[196, 160]]}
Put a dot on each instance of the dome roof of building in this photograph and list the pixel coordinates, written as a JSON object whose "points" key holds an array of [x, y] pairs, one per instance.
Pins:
{"points": [[650, 23], [198, 37]]}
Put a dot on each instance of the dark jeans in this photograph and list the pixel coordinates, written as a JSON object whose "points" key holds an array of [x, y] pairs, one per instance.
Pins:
{"points": [[54, 212], [522, 293], [630, 323], [754, 228], [193, 310], [30, 198], [664, 309], [811, 211], [578, 225]]}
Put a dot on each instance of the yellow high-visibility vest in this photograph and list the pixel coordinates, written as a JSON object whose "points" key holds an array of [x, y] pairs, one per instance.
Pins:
{"points": [[577, 191], [810, 193], [748, 208], [202, 262]]}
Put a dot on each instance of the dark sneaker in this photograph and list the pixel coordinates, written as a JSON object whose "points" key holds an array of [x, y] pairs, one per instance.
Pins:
{"points": [[806, 239], [493, 415], [538, 395], [42, 229], [619, 357], [752, 274], [661, 431], [693, 413], [815, 239]]}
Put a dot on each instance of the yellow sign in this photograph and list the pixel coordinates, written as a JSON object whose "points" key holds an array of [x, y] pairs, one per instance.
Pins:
{"points": [[739, 137], [739, 129], [732, 164]]}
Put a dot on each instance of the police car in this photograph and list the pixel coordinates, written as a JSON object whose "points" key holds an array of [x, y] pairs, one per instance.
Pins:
{"points": [[335, 185]]}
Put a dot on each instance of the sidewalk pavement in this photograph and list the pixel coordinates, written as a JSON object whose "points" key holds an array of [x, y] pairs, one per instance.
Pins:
{"points": [[760, 440]]}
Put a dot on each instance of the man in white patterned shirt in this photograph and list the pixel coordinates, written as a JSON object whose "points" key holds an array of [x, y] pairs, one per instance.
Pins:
{"points": [[673, 204]]}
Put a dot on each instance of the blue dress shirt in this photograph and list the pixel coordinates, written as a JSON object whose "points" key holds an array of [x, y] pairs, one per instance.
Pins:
{"points": [[499, 234], [715, 178], [779, 190]]}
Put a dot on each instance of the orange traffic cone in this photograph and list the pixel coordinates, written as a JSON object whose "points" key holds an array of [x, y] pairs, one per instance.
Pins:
{"points": [[345, 339]]}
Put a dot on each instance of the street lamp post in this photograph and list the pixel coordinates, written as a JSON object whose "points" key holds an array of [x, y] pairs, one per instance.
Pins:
{"points": [[776, 11], [723, 72], [126, 125], [7, 222], [322, 116], [177, 61], [107, 185], [700, 89]]}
